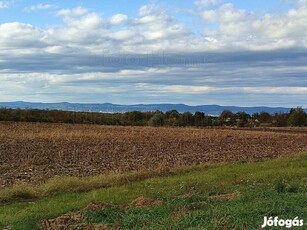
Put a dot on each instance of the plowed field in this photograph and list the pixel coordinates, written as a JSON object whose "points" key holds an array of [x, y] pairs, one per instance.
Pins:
{"points": [[36, 152]]}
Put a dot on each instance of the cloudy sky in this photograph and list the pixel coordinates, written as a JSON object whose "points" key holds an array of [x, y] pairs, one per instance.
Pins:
{"points": [[235, 52]]}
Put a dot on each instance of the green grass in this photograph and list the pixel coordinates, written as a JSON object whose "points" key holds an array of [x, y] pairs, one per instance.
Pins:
{"points": [[269, 188], [60, 185]]}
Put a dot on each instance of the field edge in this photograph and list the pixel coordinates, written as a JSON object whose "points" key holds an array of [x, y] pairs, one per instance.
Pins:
{"points": [[204, 180]]}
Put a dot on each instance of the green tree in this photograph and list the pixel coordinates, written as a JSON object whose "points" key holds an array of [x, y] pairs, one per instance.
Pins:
{"points": [[227, 117], [265, 117], [172, 117], [242, 118], [255, 116], [135, 117], [185, 119], [297, 117], [188, 118], [199, 119], [156, 120]]}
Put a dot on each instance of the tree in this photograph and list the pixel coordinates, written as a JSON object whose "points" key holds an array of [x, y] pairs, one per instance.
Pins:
{"points": [[172, 114], [208, 121], [280, 119], [255, 116], [265, 117], [297, 117], [185, 119], [188, 118], [243, 116], [227, 117], [216, 122], [156, 120], [135, 117], [199, 119], [172, 117]]}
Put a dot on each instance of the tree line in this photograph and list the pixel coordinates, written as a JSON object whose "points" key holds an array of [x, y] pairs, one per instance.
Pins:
{"points": [[296, 117]]}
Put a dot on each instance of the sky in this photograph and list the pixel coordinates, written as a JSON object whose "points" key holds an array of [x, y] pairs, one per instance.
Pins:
{"points": [[239, 52]]}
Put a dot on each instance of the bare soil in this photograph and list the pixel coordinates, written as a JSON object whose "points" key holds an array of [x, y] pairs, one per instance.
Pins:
{"points": [[33, 152]]}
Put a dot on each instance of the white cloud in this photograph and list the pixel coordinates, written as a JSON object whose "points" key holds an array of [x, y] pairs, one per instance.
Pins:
{"points": [[88, 52], [149, 10], [87, 22], [40, 7], [76, 12], [276, 90], [302, 3], [188, 89], [206, 3], [248, 30], [122, 35], [225, 14], [17, 35], [82, 30], [118, 19], [155, 30]]}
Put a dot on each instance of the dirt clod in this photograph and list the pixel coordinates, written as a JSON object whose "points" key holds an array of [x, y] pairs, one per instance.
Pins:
{"points": [[97, 205], [144, 202]]}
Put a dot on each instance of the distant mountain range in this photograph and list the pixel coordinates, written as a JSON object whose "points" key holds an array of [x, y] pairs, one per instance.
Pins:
{"points": [[114, 108]]}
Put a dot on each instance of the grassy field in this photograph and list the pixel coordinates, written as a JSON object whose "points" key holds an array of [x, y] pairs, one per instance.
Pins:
{"points": [[216, 196]]}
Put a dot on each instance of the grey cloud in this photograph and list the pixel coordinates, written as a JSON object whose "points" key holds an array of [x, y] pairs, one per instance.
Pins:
{"points": [[150, 59]]}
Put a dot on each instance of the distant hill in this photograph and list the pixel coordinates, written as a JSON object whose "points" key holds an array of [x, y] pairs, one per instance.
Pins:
{"points": [[114, 108]]}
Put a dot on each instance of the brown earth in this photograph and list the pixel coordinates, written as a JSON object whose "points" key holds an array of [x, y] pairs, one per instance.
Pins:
{"points": [[143, 202], [31, 152]]}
